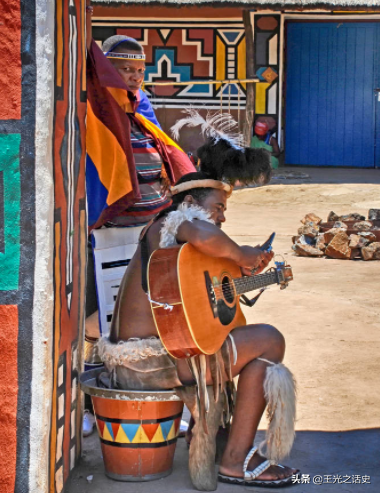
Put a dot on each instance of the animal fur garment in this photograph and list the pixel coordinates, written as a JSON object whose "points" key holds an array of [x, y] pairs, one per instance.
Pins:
{"points": [[129, 351], [174, 220], [280, 394]]}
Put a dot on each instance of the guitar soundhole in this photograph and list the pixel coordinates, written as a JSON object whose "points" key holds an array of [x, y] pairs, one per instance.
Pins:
{"points": [[228, 291]]}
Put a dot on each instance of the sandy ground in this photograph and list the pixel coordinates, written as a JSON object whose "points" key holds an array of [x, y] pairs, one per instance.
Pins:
{"points": [[330, 317]]}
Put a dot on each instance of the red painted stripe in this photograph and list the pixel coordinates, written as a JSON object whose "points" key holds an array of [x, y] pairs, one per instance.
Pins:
{"points": [[8, 396], [10, 60]]}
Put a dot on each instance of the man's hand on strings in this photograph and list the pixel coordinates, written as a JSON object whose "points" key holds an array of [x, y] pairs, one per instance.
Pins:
{"points": [[254, 259]]}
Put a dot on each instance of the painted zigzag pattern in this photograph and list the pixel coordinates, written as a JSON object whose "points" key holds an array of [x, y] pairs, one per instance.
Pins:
{"points": [[146, 434]]}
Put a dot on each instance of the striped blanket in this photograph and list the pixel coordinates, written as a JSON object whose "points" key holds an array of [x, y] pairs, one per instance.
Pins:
{"points": [[154, 198]]}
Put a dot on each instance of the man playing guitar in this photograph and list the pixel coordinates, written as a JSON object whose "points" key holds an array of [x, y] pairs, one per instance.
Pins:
{"points": [[138, 359]]}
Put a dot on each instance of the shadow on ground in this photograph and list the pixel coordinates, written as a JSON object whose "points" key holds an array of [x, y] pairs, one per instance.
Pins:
{"points": [[305, 174], [315, 453]]}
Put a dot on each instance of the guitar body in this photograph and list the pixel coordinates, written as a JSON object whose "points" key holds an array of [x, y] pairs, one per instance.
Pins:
{"points": [[186, 279]]}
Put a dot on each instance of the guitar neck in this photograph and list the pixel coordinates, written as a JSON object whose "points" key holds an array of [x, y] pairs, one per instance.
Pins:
{"points": [[250, 283]]}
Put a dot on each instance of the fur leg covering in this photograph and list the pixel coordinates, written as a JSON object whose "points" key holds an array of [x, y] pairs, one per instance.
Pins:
{"points": [[203, 446], [280, 394]]}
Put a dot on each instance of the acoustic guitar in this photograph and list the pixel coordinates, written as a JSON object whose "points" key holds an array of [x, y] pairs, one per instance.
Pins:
{"points": [[195, 298]]}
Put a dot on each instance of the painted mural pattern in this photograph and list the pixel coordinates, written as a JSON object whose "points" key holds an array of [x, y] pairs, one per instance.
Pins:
{"points": [[17, 251], [70, 238], [130, 434], [189, 51], [266, 40]]}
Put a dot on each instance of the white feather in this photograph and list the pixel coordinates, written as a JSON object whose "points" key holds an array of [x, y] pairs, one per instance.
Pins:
{"points": [[216, 126]]}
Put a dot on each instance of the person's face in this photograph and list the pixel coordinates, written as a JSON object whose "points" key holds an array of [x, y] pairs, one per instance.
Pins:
{"points": [[131, 71], [215, 203]]}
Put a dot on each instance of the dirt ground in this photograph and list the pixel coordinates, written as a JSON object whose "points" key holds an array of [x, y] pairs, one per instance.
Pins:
{"points": [[330, 317]]}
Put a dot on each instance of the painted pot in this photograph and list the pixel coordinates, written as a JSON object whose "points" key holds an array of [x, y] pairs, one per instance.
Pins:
{"points": [[137, 429]]}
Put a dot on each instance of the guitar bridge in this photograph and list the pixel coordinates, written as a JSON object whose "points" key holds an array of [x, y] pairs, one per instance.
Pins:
{"points": [[211, 294]]}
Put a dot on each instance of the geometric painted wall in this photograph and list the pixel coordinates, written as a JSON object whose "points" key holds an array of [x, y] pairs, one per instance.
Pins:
{"points": [[42, 241], [17, 249], [70, 237], [187, 50], [266, 63]]}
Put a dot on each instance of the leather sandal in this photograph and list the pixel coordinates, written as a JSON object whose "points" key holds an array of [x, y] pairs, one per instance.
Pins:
{"points": [[249, 478]]}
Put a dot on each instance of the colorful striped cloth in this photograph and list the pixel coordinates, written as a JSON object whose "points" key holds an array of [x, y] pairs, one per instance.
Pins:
{"points": [[154, 198], [111, 174]]}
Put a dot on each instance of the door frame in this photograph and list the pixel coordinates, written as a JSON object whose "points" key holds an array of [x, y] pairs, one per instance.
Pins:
{"points": [[315, 16]]}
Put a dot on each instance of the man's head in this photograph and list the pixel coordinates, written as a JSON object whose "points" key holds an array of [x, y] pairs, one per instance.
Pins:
{"points": [[213, 200], [131, 69]]}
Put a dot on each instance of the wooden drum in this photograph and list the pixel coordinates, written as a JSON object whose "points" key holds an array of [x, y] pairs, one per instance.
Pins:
{"points": [[137, 429]]}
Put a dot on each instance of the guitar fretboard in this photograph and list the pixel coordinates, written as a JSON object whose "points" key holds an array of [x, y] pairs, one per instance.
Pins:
{"points": [[245, 284]]}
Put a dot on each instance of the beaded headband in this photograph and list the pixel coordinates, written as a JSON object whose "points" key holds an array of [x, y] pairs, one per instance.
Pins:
{"points": [[207, 183], [127, 56], [124, 56]]}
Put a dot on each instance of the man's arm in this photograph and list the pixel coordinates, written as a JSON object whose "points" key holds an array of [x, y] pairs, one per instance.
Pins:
{"points": [[212, 241]]}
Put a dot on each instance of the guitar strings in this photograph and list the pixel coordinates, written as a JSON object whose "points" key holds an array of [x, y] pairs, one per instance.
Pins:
{"points": [[246, 281], [232, 288], [243, 282]]}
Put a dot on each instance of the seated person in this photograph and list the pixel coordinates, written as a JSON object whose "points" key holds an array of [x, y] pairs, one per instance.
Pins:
{"points": [[137, 359], [130, 161], [264, 139]]}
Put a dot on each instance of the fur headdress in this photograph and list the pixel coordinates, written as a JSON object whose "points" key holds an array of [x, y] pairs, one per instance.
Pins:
{"points": [[223, 157]]}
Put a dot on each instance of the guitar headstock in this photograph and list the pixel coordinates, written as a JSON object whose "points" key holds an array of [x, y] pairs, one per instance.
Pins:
{"points": [[285, 274]]}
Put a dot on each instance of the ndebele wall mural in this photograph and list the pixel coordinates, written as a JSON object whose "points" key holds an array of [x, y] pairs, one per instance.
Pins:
{"points": [[42, 241]]}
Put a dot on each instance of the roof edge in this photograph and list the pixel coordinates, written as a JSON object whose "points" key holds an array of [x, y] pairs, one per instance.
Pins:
{"points": [[297, 5]]}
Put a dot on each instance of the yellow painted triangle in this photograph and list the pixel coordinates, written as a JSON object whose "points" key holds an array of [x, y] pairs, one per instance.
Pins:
{"points": [[136, 438], [143, 436], [171, 433], [158, 436], [121, 437], [106, 434]]}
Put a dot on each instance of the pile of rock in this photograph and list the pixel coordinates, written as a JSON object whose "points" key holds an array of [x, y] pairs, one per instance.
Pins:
{"points": [[350, 236]]}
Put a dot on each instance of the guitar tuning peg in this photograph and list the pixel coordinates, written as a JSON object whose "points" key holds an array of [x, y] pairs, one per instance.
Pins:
{"points": [[279, 263]]}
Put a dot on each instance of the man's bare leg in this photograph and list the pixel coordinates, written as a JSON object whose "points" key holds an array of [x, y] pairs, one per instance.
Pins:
{"points": [[252, 341]]}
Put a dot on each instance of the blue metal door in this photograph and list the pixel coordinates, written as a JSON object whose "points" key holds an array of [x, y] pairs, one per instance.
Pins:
{"points": [[332, 107]]}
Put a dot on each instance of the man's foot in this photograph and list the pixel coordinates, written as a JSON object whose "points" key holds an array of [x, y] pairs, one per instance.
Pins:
{"points": [[274, 475], [88, 423]]}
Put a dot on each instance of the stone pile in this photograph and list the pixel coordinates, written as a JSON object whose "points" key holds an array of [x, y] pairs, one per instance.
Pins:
{"points": [[351, 236]]}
